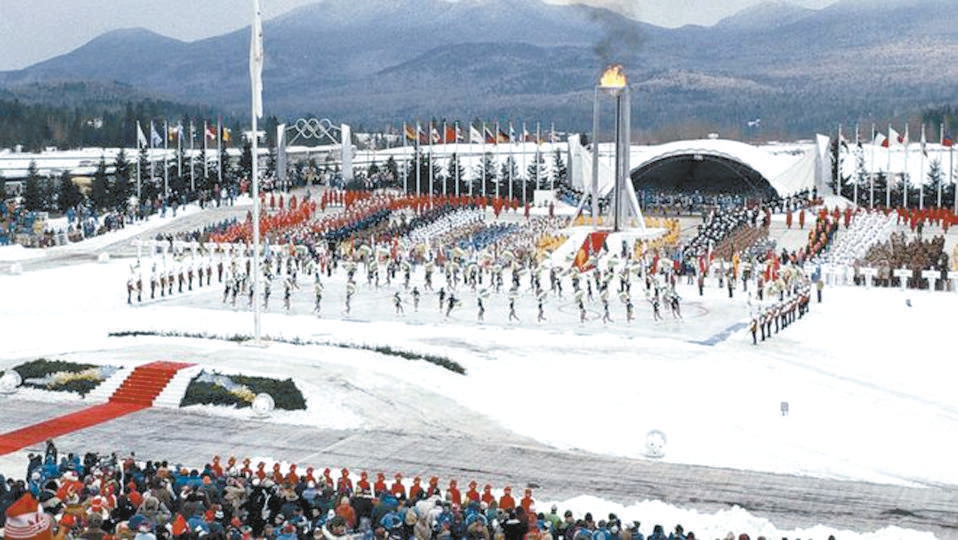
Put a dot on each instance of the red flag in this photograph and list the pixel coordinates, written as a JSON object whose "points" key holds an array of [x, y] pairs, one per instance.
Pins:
{"points": [[451, 135], [948, 141], [25, 521]]}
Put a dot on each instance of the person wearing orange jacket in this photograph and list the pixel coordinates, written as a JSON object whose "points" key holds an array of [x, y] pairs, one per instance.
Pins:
{"points": [[292, 477], [433, 488], [506, 502], [527, 501], [344, 483], [452, 493], [380, 486], [416, 489], [472, 495], [345, 511], [398, 489], [363, 484], [487, 496]]}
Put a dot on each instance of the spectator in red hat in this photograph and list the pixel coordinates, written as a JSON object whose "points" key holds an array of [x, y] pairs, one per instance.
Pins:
{"points": [[452, 493], [487, 496], [416, 490], [398, 489], [527, 502], [344, 484], [363, 484], [380, 486], [506, 502], [472, 494]]}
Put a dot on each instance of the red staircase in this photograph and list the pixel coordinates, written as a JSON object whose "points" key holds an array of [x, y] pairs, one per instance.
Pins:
{"points": [[146, 382], [136, 393]]}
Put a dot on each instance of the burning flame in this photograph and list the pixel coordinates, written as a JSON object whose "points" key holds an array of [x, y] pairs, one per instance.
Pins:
{"points": [[613, 77]]}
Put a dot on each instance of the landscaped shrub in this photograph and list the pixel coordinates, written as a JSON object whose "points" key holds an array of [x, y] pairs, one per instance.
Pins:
{"points": [[239, 391], [61, 376]]}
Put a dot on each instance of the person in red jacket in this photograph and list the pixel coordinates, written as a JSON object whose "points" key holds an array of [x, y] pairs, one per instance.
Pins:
{"points": [[472, 495], [278, 477], [506, 502], [416, 488], [363, 484], [344, 483], [527, 502], [398, 489], [380, 486], [452, 493], [345, 510], [433, 488], [261, 471], [292, 477], [487, 496]]}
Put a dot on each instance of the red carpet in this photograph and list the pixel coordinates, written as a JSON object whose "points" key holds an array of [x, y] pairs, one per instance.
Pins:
{"points": [[136, 393]]}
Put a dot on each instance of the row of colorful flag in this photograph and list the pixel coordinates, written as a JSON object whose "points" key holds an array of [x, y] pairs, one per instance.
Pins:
{"points": [[895, 138], [177, 133], [481, 134]]}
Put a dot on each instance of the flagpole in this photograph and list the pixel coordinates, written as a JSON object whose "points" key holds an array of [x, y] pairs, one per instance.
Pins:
{"points": [[941, 142], [219, 151], [179, 150], [445, 179], [904, 177], [166, 167], [512, 158], [206, 158], [405, 162], [416, 162], [871, 177], [838, 162], [552, 140], [256, 70], [921, 172], [458, 155], [888, 173], [858, 145], [431, 187], [152, 163], [192, 171], [139, 144], [482, 162]]}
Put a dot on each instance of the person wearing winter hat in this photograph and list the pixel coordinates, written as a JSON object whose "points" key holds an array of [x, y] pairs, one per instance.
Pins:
{"points": [[506, 502]]}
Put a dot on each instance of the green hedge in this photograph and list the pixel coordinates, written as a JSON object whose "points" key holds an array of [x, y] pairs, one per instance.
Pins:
{"points": [[284, 393], [41, 367], [440, 361]]}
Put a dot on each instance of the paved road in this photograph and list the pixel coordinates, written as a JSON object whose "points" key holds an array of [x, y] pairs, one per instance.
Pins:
{"points": [[788, 501]]}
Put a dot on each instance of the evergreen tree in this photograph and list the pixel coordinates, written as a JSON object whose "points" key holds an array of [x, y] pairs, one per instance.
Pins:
{"points": [[536, 172], [227, 170], [560, 173], [934, 185], [487, 173], [456, 174], [122, 184], [245, 168], [100, 189], [508, 170], [69, 195], [143, 159], [32, 194], [393, 169]]}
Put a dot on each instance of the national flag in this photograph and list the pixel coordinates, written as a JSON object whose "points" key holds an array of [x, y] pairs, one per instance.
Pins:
{"points": [[503, 137], [227, 134], [948, 141], [490, 136], [451, 135], [881, 140], [458, 133], [412, 133], [434, 135], [140, 137], [591, 246], [155, 138], [893, 137], [210, 133], [256, 60], [474, 135], [27, 521], [512, 134], [173, 133]]}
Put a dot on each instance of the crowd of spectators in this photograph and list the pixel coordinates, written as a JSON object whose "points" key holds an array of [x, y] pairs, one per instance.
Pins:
{"points": [[107, 497]]}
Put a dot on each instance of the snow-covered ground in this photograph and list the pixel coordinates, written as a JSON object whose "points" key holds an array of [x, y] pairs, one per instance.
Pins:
{"points": [[864, 374]]}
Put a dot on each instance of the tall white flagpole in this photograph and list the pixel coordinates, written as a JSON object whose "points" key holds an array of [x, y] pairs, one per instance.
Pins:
{"points": [[941, 142], [905, 180], [139, 144], [206, 158], [192, 171], [482, 164], [256, 88], [166, 168], [219, 151], [888, 170], [921, 171], [858, 146], [871, 176], [405, 162]]}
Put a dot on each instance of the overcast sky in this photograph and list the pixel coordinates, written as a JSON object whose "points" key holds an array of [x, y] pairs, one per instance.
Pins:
{"points": [[34, 30]]}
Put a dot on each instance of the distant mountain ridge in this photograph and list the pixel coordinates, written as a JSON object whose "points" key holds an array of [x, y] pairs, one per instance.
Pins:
{"points": [[388, 61]]}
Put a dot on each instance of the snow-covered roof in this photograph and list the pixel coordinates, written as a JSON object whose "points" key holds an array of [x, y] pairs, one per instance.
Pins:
{"points": [[788, 168]]}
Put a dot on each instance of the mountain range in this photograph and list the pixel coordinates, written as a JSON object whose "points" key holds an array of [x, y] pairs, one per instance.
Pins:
{"points": [[381, 62]]}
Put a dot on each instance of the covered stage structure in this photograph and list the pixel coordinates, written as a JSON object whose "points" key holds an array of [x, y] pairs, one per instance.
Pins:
{"points": [[709, 166]]}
